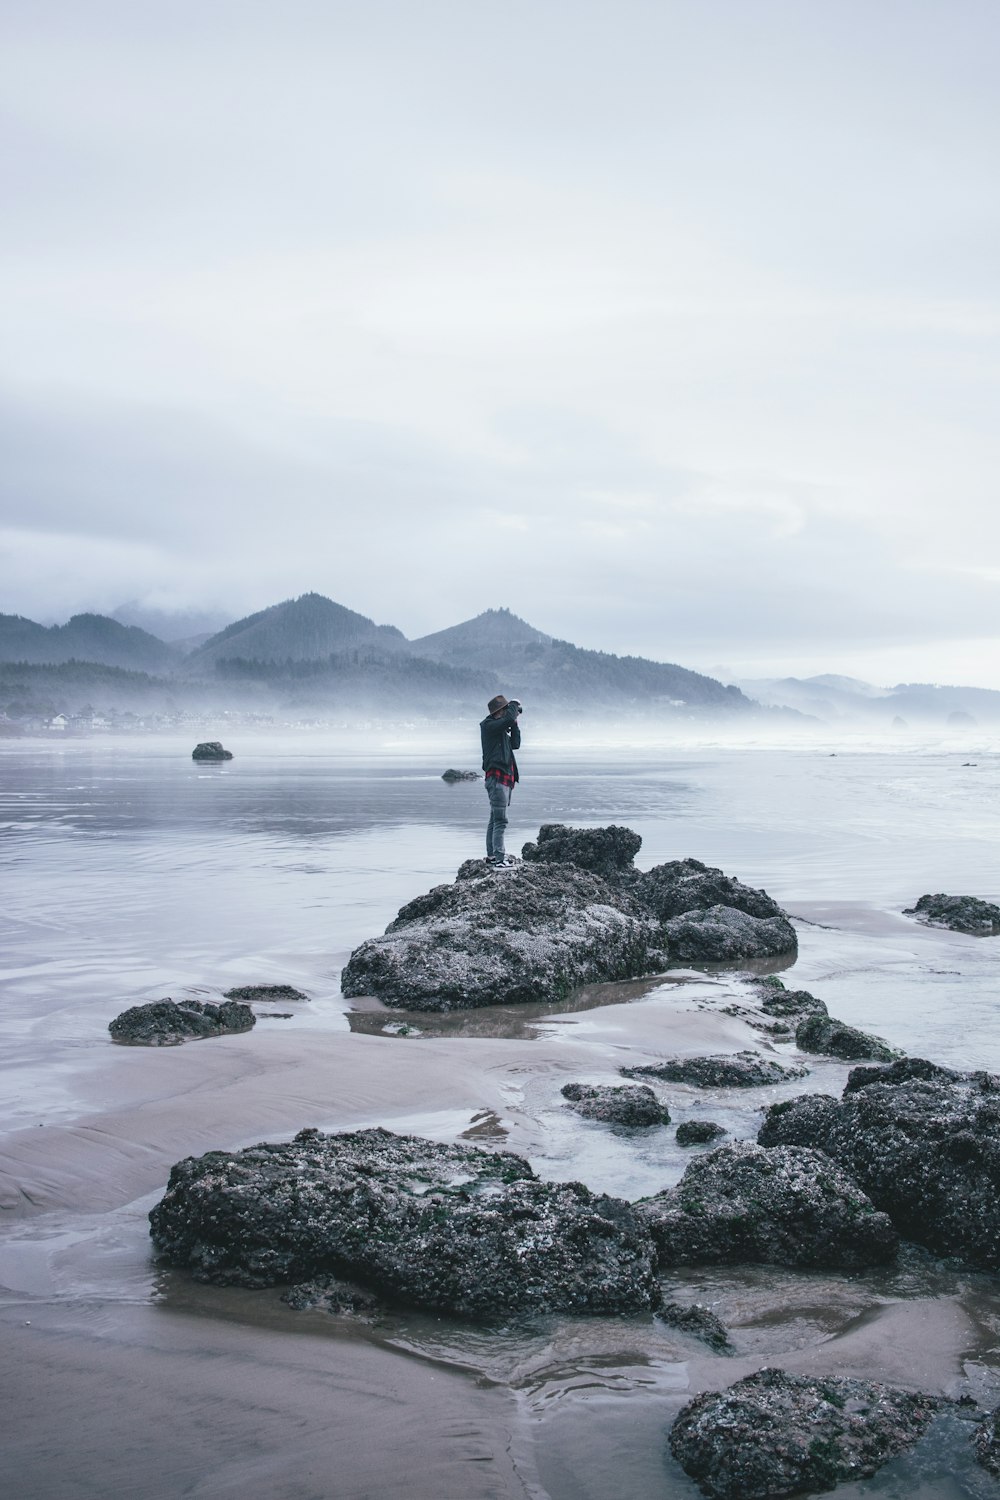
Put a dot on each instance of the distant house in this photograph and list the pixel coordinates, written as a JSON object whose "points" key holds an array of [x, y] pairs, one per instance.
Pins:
{"points": [[59, 722]]}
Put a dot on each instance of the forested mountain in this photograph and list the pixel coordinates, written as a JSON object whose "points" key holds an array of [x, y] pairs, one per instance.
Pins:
{"points": [[310, 628], [94, 638], [311, 655]]}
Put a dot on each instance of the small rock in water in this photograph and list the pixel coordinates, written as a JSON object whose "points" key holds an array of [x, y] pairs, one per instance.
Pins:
{"points": [[210, 750], [743, 1070], [698, 1321], [774, 1434], [960, 913], [331, 1294], [776, 1000], [452, 775], [786, 1208], [167, 1023], [698, 1132], [265, 992], [834, 1038], [617, 1104]]}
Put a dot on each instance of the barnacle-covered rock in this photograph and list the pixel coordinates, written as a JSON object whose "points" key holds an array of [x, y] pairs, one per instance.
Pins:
{"points": [[775, 1434], [786, 1207]]}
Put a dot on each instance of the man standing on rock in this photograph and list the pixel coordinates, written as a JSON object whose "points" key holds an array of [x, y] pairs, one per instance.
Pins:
{"points": [[501, 737]]}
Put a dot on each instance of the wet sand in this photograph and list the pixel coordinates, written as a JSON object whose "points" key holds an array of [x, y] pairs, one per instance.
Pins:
{"points": [[132, 879], [127, 1376]]}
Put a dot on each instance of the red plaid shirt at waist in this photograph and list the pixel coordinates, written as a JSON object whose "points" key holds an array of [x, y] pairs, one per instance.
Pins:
{"points": [[505, 778]]}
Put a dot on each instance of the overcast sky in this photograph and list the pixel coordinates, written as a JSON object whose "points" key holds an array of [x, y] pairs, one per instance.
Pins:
{"points": [[672, 325]]}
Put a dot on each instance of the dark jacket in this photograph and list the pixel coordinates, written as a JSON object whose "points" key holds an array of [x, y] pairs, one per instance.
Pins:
{"points": [[500, 737]]}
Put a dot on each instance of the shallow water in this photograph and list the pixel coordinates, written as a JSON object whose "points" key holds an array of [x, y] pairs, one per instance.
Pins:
{"points": [[132, 873]]}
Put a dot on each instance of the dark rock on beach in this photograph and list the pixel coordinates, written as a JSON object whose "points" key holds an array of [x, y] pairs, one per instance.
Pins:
{"points": [[926, 1151], [824, 1034], [785, 1207], [904, 1070], [453, 775], [698, 1132], [266, 993], [210, 750], [608, 852], [617, 1104], [960, 913], [167, 1023], [775, 1434], [685, 885], [573, 912], [741, 1070], [453, 1228], [776, 1000], [725, 934], [699, 1322], [530, 932]]}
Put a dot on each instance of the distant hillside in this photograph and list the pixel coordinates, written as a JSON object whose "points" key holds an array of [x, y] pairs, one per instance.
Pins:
{"points": [[309, 628], [845, 700], [94, 638], [526, 662], [311, 653]]}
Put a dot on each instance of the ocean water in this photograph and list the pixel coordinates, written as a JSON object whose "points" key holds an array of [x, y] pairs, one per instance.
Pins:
{"points": [[131, 873]]}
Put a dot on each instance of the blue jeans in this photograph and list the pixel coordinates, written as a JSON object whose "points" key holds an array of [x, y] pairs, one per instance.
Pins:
{"points": [[497, 826]]}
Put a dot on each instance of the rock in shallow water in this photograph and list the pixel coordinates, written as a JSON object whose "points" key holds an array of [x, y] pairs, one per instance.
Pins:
{"points": [[960, 913], [785, 1207], [211, 750], [832, 1038], [617, 1104], [167, 1023], [926, 1151], [574, 912], [528, 933], [774, 1434], [449, 1227], [698, 1132], [268, 993], [741, 1070], [697, 1321]]}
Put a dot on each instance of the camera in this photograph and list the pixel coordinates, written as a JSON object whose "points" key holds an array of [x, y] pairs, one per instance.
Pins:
{"points": [[515, 704]]}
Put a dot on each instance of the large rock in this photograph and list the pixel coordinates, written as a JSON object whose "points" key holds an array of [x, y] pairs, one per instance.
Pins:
{"points": [[534, 932], [926, 1151], [960, 913], [785, 1207], [575, 911], [617, 1104], [167, 1023], [454, 1228], [740, 1070], [211, 750], [774, 1434]]}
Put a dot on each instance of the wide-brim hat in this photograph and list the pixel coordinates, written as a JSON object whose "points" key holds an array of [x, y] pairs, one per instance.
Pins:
{"points": [[497, 703]]}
